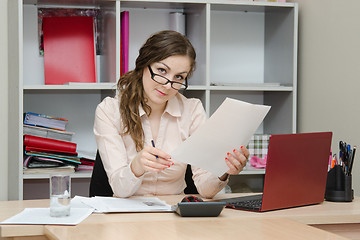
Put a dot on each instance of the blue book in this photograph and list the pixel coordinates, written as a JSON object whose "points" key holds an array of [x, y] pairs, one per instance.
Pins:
{"points": [[41, 120]]}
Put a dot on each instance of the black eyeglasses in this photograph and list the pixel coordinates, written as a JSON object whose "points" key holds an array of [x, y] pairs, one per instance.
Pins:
{"points": [[163, 81]]}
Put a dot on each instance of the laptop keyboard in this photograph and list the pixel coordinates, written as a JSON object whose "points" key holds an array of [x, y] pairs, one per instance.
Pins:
{"points": [[246, 203], [249, 204]]}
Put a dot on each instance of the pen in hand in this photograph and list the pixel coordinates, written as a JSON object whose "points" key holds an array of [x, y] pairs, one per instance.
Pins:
{"points": [[153, 144], [157, 157]]}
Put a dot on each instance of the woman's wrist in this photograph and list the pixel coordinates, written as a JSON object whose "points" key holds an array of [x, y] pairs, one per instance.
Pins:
{"points": [[224, 177], [137, 170]]}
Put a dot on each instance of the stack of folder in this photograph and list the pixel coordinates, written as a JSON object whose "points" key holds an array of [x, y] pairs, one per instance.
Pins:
{"points": [[45, 154], [48, 147]]}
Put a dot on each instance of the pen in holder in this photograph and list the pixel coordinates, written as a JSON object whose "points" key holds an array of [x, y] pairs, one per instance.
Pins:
{"points": [[339, 186]]}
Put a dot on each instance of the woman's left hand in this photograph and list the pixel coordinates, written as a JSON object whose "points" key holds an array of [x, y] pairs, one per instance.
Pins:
{"points": [[236, 160]]}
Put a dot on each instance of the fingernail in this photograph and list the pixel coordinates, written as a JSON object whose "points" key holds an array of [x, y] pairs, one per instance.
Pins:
{"points": [[226, 158], [234, 150], [228, 154], [172, 163], [168, 165], [242, 147]]}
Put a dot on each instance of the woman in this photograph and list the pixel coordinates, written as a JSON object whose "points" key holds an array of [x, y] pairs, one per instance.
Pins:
{"points": [[147, 111]]}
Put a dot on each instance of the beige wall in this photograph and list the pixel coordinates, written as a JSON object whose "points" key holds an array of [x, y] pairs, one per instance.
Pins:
{"points": [[329, 72], [3, 101]]}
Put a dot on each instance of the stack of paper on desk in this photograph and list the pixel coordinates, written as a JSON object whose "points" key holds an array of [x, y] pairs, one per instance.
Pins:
{"points": [[231, 126], [40, 216], [82, 207], [141, 204]]}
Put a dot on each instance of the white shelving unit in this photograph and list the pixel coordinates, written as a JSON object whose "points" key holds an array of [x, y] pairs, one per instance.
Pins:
{"points": [[46, 176], [245, 50]]}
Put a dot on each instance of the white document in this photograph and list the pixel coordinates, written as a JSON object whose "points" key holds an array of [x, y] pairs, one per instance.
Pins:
{"points": [[41, 216], [77, 202], [113, 204], [231, 126]]}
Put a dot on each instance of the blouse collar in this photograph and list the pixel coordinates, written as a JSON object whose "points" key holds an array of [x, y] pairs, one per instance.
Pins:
{"points": [[172, 107]]}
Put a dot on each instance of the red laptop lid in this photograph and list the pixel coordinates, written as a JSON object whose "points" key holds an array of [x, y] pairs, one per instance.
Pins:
{"points": [[296, 170]]}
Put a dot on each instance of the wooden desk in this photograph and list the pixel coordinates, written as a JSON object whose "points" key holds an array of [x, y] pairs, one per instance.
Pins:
{"points": [[328, 215], [271, 229]]}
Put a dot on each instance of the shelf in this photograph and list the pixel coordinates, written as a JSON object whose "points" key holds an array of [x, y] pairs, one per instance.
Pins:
{"points": [[252, 171], [197, 87], [247, 171], [250, 87], [248, 6], [173, 4], [73, 86], [86, 174], [112, 86], [244, 87]]}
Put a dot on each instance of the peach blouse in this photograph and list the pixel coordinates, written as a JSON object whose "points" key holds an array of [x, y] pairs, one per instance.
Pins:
{"points": [[180, 119]]}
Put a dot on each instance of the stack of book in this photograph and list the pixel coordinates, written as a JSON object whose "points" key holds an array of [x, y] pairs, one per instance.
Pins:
{"points": [[46, 126], [48, 147], [45, 121]]}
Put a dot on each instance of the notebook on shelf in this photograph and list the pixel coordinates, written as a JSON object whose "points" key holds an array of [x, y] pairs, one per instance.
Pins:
{"points": [[296, 173]]}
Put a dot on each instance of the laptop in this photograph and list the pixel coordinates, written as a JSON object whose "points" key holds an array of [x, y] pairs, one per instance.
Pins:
{"points": [[296, 173]]}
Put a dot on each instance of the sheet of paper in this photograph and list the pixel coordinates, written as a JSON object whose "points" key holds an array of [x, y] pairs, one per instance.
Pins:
{"points": [[77, 202], [41, 216], [231, 126], [140, 204]]}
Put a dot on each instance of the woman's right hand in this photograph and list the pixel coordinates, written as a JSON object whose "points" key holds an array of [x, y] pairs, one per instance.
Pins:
{"points": [[150, 159]]}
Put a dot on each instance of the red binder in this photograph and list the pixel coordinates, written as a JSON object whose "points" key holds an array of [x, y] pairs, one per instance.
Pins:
{"points": [[45, 150], [69, 50], [48, 144]]}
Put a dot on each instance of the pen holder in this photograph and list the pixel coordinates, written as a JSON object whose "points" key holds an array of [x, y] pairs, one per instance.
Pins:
{"points": [[338, 186]]}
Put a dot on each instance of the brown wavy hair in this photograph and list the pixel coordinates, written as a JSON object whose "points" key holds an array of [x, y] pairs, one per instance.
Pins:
{"points": [[159, 46]]}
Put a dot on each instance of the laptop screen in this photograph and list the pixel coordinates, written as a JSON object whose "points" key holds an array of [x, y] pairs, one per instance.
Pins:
{"points": [[296, 170]]}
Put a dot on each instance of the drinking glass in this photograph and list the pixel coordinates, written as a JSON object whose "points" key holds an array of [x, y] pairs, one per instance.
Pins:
{"points": [[60, 195]]}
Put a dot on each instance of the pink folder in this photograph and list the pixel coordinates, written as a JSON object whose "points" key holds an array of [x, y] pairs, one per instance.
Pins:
{"points": [[125, 41]]}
